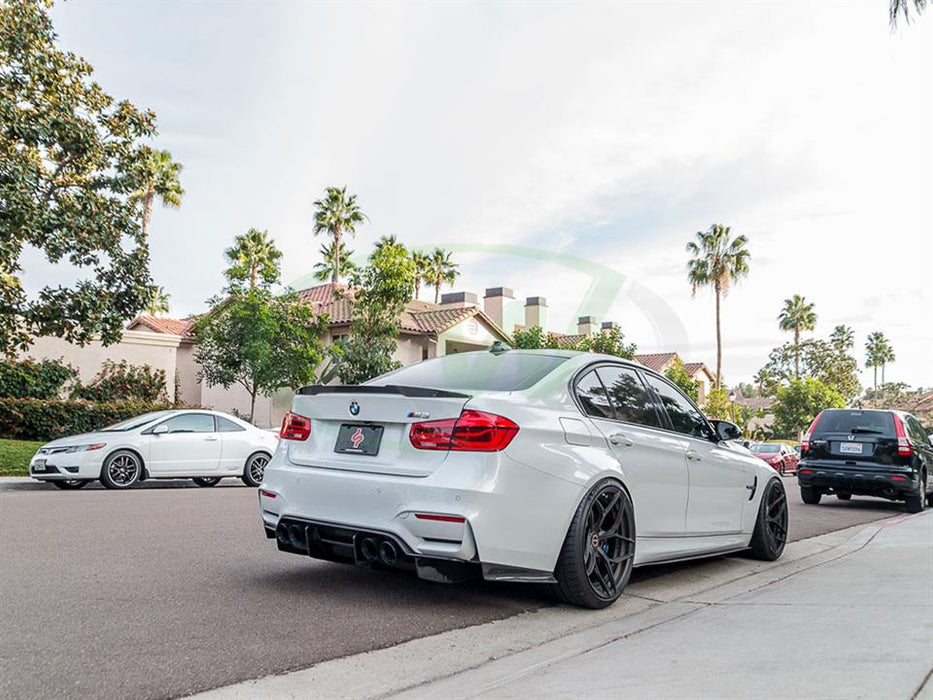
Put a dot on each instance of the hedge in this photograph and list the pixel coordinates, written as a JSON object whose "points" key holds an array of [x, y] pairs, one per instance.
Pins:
{"points": [[37, 419]]}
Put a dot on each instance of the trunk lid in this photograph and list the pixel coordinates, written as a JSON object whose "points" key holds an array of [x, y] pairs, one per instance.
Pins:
{"points": [[390, 410]]}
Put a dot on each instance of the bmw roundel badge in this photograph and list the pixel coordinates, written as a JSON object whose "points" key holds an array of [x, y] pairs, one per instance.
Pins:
{"points": [[354, 408]]}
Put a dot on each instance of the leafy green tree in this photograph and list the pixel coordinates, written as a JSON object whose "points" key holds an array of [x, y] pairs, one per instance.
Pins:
{"points": [[829, 362], [751, 422], [253, 259], [337, 214], [797, 315], [441, 270], [718, 262], [798, 403], [888, 395], [607, 342], [718, 406], [331, 257], [677, 373], [381, 291], [422, 263], [70, 159], [158, 301], [260, 342], [533, 338], [159, 175]]}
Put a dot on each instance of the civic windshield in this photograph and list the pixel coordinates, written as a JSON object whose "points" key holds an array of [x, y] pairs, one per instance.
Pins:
{"points": [[133, 423], [476, 371]]}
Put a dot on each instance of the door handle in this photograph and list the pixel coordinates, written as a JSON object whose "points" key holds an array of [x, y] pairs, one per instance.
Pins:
{"points": [[694, 456], [211, 439], [621, 439]]}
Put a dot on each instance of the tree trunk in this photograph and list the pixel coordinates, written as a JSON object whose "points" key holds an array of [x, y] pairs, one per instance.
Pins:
{"points": [[417, 287], [796, 352], [875, 368], [252, 405], [335, 278], [882, 375], [718, 341], [252, 276], [437, 293], [147, 211]]}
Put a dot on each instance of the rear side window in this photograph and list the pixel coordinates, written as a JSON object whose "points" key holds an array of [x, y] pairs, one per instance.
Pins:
{"points": [[225, 425], [685, 417], [476, 371], [592, 396], [856, 422], [629, 397]]}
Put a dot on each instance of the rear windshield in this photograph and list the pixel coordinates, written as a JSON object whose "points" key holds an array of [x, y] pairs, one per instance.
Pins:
{"points": [[476, 371], [856, 422], [765, 449]]}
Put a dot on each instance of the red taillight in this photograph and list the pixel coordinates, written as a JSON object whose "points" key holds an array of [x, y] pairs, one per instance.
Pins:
{"points": [[440, 518], [904, 448], [295, 427], [473, 431], [805, 443], [806, 471], [267, 494], [898, 478]]}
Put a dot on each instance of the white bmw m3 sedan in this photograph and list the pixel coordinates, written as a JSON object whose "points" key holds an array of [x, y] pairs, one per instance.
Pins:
{"points": [[542, 466], [204, 446]]}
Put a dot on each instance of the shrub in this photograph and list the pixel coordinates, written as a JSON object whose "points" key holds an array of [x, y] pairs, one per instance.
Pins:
{"points": [[37, 419], [120, 381], [32, 379]]}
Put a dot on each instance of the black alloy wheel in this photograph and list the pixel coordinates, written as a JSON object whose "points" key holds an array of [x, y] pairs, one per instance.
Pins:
{"points": [[206, 481], [770, 534], [598, 554]]}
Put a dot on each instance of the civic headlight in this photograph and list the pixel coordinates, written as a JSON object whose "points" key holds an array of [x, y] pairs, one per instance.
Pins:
{"points": [[85, 448]]}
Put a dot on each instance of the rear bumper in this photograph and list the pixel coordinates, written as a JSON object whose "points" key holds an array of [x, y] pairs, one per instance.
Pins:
{"points": [[514, 517], [886, 483]]}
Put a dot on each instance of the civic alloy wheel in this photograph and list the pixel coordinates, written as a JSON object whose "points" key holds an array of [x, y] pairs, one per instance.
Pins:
{"points": [[255, 469], [121, 470]]}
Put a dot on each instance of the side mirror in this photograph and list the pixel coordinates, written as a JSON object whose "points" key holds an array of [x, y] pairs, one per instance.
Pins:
{"points": [[160, 429], [726, 430]]}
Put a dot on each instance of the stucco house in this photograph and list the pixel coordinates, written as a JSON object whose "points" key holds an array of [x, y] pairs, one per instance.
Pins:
{"points": [[698, 371]]}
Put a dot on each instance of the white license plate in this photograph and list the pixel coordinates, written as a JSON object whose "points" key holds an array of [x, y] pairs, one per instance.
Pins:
{"points": [[38, 465], [850, 448]]}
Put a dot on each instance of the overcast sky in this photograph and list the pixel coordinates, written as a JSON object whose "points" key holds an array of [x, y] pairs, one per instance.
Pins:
{"points": [[581, 134]]}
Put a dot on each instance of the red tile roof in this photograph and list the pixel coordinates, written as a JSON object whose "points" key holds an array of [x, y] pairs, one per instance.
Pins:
{"points": [[158, 324], [657, 361], [693, 368], [324, 293]]}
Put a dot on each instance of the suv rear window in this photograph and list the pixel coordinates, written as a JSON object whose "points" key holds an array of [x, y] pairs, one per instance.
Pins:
{"points": [[855, 422], [476, 371]]}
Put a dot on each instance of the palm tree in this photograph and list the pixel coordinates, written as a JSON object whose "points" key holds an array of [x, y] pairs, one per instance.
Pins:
{"points": [[842, 338], [874, 351], [160, 179], [422, 262], [902, 7], [386, 242], [253, 257], [886, 355], [335, 215], [797, 315], [441, 270], [717, 262], [324, 270], [158, 301]]}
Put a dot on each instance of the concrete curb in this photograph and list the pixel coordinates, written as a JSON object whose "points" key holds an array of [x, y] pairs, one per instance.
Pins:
{"points": [[548, 635]]}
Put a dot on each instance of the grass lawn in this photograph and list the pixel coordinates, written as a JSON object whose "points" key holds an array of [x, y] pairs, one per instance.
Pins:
{"points": [[15, 456]]}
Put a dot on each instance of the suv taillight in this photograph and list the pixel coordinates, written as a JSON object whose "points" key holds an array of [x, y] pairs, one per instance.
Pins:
{"points": [[295, 427], [473, 431], [904, 448], [805, 442]]}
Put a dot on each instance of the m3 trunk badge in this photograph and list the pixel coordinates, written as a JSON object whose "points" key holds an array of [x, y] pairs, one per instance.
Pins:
{"points": [[354, 408]]}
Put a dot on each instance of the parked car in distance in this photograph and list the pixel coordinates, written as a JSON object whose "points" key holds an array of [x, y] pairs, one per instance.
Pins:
{"points": [[546, 466], [204, 446], [881, 453], [782, 458]]}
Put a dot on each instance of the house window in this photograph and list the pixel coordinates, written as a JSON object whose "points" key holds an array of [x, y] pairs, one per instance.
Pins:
{"points": [[424, 353]]}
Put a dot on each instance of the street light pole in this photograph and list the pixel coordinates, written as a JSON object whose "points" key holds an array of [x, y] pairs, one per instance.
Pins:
{"points": [[732, 401]]}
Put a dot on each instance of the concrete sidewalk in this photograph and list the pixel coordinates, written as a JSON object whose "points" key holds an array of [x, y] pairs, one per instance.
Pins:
{"points": [[860, 625], [848, 614]]}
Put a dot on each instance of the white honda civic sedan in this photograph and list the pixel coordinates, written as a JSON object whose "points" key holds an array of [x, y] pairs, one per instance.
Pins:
{"points": [[545, 466], [202, 445]]}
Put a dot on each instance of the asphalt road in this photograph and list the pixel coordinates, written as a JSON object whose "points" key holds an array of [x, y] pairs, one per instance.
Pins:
{"points": [[161, 592]]}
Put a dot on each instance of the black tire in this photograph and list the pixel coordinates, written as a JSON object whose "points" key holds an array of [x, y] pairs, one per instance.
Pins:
{"points": [[783, 470], [70, 484], [254, 468], [121, 470], [770, 533], [596, 560], [206, 481], [810, 495], [916, 502], [844, 496]]}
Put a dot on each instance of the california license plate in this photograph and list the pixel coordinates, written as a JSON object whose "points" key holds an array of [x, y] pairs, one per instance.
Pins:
{"points": [[850, 448], [38, 465], [359, 439]]}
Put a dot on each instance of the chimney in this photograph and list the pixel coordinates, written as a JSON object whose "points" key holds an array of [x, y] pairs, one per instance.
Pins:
{"points": [[459, 299], [608, 325], [586, 325], [536, 312], [499, 304]]}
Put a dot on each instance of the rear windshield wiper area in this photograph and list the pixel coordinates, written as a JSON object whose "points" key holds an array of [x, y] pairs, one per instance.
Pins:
{"points": [[411, 391], [872, 431]]}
